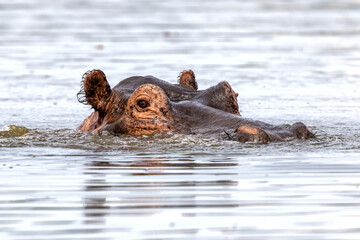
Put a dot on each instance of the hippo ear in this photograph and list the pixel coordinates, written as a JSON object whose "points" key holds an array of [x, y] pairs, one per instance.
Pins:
{"points": [[95, 89], [187, 79]]}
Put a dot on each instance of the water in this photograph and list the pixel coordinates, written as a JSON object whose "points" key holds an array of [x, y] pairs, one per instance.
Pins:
{"points": [[288, 60]]}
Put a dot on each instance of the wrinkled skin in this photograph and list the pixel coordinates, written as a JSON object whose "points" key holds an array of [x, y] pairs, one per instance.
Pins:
{"points": [[147, 105]]}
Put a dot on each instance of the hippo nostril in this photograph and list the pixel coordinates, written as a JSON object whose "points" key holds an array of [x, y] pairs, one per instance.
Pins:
{"points": [[143, 104]]}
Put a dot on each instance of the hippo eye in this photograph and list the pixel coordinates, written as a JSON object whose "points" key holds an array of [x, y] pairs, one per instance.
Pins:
{"points": [[143, 104]]}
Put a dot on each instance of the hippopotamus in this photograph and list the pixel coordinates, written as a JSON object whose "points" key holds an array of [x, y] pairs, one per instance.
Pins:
{"points": [[144, 105]]}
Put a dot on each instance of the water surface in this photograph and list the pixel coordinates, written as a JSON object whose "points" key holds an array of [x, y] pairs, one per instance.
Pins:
{"points": [[288, 60]]}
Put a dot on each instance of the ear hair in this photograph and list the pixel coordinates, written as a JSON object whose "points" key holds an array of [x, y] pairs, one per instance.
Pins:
{"points": [[95, 89], [81, 96]]}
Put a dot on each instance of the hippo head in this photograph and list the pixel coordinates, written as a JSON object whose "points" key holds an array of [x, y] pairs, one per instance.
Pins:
{"points": [[147, 105], [144, 111]]}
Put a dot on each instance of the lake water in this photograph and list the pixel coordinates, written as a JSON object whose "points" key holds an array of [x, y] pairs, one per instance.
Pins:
{"points": [[288, 60]]}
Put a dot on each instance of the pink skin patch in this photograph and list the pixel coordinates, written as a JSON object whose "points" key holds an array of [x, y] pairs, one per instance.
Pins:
{"points": [[248, 129]]}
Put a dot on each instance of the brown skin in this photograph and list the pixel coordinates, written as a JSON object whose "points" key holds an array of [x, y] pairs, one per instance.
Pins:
{"points": [[147, 111], [147, 105]]}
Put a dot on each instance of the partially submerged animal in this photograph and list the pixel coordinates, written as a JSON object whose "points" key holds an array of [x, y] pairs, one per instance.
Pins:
{"points": [[147, 105]]}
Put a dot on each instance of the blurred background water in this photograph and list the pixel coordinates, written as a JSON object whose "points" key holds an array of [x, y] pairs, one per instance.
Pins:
{"points": [[288, 60]]}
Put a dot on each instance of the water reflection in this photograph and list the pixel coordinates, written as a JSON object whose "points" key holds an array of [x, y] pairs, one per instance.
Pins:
{"points": [[145, 193], [95, 208]]}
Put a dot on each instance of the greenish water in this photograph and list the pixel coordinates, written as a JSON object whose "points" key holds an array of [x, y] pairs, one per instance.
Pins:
{"points": [[288, 60]]}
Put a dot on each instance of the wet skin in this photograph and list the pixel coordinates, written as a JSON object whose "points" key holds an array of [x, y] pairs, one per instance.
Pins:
{"points": [[147, 105]]}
